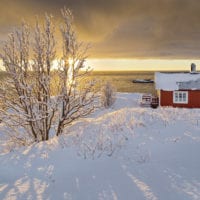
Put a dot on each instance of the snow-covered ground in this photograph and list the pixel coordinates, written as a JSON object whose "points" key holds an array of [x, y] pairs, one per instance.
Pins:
{"points": [[125, 152]]}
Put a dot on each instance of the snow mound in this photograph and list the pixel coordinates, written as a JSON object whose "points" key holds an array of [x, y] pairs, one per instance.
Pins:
{"points": [[124, 152]]}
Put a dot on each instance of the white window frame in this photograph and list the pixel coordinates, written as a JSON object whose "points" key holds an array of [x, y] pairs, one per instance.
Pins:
{"points": [[180, 97]]}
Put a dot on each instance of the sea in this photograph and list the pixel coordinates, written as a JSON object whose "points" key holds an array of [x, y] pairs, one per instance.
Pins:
{"points": [[123, 80]]}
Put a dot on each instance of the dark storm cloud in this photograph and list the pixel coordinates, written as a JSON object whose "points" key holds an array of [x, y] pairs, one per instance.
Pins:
{"points": [[121, 28]]}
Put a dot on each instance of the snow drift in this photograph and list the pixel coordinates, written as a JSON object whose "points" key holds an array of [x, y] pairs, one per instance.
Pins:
{"points": [[124, 152]]}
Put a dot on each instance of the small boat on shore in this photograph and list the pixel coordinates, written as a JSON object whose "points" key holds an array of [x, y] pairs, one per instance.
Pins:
{"points": [[143, 81]]}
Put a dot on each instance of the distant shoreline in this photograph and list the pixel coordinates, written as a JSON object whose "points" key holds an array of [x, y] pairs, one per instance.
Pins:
{"points": [[128, 72]]}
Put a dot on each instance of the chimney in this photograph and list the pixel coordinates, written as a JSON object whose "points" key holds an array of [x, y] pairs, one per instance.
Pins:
{"points": [[193, 69]]}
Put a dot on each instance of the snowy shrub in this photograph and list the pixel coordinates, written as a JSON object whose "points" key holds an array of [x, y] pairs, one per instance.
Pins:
{"points": [[108, 92]]}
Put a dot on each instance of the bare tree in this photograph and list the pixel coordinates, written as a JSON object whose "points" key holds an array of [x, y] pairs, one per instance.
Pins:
{"points": [[30, 106]]}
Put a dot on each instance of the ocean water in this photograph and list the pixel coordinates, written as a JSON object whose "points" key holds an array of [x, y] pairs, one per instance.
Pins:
{"points": [[122, 80]]}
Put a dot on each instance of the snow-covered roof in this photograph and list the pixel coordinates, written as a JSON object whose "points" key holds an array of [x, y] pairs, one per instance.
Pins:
{"points": [[177, 81]]}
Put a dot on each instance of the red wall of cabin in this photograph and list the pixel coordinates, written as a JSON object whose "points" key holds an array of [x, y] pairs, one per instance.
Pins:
{"points": [[166, 99]]}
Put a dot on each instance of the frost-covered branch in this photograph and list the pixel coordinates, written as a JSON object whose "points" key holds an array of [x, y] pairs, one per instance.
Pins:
{"points": [[29, 103]]}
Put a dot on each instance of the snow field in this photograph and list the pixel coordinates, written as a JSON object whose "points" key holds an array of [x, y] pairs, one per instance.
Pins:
{"points": [[124, 152]]}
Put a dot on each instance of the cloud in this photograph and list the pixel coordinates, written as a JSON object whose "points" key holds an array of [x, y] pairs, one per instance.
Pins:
{"points": [[121, 28]]}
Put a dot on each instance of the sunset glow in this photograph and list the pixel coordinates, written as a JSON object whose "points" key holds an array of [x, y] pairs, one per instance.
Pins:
{"points": [[141, 65], [124, 35]]}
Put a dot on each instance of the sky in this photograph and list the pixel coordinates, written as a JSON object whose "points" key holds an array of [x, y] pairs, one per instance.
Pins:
{"points": [[124, 34]]}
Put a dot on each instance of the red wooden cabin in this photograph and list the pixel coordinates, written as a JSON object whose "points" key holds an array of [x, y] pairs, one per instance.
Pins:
{"points": [[178, 89]]}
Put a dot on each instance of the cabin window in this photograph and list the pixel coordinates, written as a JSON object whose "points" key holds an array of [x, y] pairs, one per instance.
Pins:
{"points": [[180, 97]]}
